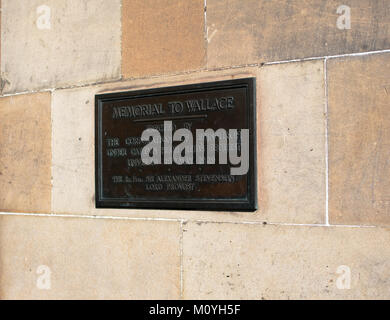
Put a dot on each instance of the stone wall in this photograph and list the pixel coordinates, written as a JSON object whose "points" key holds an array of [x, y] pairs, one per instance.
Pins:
{"points": [[323, 102]]}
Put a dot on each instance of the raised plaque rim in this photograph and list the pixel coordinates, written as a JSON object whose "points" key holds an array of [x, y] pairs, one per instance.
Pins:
{"points": [[249, 204]]}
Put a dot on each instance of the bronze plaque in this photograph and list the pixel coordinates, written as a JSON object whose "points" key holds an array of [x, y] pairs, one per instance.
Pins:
{"points": [[189, 147]]}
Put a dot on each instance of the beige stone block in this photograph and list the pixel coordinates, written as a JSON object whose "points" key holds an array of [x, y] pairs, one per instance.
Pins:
{"points": [[25, 153], [88, 258], [162, 36], [73, 151], [263, 31], [59, 43], [291, 142], [243, 261], [359, 130], [73, 166], [293, 196]]}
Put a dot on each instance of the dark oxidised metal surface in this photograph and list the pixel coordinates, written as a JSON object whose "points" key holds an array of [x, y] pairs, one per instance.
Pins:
{"points": [[123, 181]]}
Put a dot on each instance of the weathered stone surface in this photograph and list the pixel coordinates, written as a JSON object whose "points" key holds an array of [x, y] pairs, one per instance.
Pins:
{"points": [[88, 258], [73, 150], [294, 144], [242, 261], [162, 36], [25, 153], [59, 43], [73, 146], [291, 142], [359, 129], [263, 30]]}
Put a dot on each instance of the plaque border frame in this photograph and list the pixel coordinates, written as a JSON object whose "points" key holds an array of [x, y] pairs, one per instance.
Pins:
{"points": [[223, 204]]}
